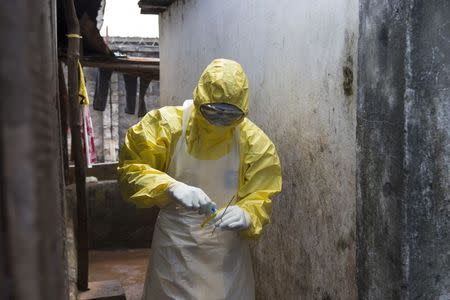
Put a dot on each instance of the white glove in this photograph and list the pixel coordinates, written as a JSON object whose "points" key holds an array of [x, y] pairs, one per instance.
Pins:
{"points": [[191, 197], [235, 218]]}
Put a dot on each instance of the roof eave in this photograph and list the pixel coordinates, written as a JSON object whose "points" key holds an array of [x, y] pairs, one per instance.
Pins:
{"points": [[154, 6]]}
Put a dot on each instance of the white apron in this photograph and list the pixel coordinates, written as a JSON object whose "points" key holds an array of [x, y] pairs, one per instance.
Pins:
{"points": [[187, 262]]}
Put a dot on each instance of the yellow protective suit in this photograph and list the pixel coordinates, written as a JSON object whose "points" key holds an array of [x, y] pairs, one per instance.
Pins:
{"points": [[149, 145]]}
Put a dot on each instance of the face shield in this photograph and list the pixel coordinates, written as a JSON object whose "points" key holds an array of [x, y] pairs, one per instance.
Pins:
{"points": [[221, 114]]}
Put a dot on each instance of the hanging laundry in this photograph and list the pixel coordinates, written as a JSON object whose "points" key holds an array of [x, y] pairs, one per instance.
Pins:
{"points": [[101, 89], [131, 89], [143, 86], [87, 128], [88, 134]]}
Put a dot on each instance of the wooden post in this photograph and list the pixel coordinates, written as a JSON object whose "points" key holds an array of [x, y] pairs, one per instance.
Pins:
{"points": [[63, 102], [73, 29]]}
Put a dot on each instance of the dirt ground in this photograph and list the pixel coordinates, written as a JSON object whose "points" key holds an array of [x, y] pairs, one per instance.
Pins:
{"points": [[127, 266]]}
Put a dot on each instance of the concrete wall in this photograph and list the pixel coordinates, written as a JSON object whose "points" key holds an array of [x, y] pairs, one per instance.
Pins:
{"points": [[300, 57], [403, 141], [113, 222]]}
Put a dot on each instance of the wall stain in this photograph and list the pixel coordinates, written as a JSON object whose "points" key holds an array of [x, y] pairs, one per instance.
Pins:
{"points": [[342, 244], [347, 68], [347, 71]]}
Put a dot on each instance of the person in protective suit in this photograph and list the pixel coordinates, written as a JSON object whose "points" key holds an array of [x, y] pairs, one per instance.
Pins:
{"points": [[191, 160]]}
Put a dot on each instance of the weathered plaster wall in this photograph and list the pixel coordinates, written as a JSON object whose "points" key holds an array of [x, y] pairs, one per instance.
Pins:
{"points": [[31, 177], [427, 113], [300, 57], [380, 148], [403, 141]]}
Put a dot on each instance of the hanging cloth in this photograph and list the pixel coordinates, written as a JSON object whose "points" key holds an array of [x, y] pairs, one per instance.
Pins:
{"points": [[87, 129], [143, 86], [131, 89], [101, 89]]}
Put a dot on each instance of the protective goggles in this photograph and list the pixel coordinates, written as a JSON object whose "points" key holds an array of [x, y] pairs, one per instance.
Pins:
{"points": [[221, 114]]}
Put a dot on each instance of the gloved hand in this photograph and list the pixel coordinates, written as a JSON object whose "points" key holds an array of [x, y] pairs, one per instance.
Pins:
{"points": [[191, 197], [235, 218]]}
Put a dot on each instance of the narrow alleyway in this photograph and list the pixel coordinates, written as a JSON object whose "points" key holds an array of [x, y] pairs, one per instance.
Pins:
{"points": [[353, 95]]}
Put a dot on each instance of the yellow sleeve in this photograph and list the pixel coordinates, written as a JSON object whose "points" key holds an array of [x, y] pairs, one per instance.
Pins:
{"points": [[145, 157], [260, 178]]}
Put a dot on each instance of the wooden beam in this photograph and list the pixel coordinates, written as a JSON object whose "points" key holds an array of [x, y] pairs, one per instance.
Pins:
{"points": [[104, 290], [63, 103], [165, 3], [120, 67], [152, 9], [154, 6], [146, 70], [73, 49]]}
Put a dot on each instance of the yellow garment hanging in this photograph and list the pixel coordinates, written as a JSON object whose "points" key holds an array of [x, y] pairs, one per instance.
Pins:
{"points": [[149, 146], [82, 90]]}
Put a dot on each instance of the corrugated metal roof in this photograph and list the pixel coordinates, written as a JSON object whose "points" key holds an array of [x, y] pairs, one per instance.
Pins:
{"points": [[154, 6]]}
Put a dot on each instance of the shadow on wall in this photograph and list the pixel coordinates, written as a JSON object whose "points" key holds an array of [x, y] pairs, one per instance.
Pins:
{"points": [[115, 223]]}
